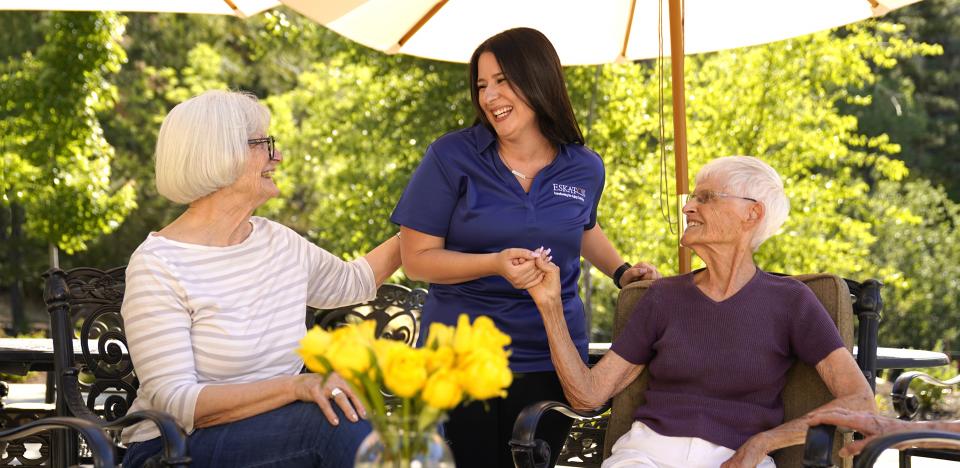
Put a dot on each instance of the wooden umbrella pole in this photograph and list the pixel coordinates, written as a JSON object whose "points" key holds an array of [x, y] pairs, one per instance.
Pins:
{"points": [[679, 123]]}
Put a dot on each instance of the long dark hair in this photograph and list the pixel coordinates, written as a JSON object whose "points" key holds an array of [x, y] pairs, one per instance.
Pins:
{"points": [[532, 68]]}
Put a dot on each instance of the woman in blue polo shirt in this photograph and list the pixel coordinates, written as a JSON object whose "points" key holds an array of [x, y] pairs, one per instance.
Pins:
{"points": [[480, 204]]}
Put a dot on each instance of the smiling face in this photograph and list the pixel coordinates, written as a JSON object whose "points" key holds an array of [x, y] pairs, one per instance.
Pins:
{"points": [[721, 221], [505, 109], [256, 179]]}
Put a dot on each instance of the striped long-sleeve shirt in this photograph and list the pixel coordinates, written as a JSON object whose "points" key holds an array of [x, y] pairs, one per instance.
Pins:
{"points": [[198, 315]]}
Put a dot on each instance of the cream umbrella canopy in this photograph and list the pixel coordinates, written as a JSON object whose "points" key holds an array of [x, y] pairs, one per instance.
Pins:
{"points": [[590, 32], [241, 8]]}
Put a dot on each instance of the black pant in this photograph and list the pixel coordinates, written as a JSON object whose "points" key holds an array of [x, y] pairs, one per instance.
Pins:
{"points": [[479, 433]]}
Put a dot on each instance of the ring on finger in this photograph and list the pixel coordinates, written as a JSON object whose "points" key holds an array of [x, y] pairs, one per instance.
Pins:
{"points": [[336, 391]]}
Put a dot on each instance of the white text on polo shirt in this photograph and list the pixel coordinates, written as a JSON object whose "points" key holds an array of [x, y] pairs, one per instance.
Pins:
{"points": [[569, 191]]}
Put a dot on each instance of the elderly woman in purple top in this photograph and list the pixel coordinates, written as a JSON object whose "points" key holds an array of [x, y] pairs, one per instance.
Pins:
{"points": [[718, 341]]}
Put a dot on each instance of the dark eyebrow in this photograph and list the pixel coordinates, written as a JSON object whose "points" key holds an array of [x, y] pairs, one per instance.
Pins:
{"points": [[495, 76]]}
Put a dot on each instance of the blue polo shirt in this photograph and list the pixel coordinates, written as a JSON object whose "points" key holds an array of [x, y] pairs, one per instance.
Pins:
{"points": [[464, 193]]}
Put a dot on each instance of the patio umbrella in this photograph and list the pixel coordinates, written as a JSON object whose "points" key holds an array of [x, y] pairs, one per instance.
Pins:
{"points": [[241, 8], [590, 32]]}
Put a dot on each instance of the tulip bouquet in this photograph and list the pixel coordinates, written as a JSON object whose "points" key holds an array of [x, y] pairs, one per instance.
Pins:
{"points": [[457, 364]]}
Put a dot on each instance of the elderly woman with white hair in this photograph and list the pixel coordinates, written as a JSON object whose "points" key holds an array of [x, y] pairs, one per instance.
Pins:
{"points": [[215, 302], [718, 341]]}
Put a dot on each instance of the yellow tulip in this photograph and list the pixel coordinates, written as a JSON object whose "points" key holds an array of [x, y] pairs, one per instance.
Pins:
{"points": [[485, 373], [404, 370], [463, 335], [313, 346], [350, 349], [486, 334], [440, 358], [442, 390], [439, 335]]}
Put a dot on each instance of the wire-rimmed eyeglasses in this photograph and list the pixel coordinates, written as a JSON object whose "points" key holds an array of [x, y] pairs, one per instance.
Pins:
{"points": [[706, 196], [271, 145]]}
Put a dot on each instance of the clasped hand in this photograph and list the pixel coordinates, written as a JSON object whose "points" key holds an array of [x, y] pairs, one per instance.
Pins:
{"points": [[517, 267]]}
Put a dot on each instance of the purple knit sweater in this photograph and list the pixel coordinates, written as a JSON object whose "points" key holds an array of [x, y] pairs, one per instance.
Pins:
{"points": [[717, 368]]}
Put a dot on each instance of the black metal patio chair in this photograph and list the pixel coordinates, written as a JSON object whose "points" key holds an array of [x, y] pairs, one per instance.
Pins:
{"points": [[84, 304]]}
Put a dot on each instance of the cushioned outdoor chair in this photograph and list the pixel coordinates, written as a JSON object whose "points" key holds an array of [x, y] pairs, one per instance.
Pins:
{"points": [[804, 390]]}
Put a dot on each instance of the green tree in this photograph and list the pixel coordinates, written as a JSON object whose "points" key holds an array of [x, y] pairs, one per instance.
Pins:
{"points": [[917, 103], [355, 133], [916, 225], [55, 163], [175, 56], [781, 102]]}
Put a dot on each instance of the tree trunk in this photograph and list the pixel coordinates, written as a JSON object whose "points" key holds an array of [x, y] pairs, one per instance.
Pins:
{"points": [[16, 265]]}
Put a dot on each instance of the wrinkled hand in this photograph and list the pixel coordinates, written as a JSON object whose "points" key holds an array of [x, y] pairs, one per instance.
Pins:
{"points": [[312, 387], [515, 266], [640, 271], [749, 455], [549, 287], [868, 424]]}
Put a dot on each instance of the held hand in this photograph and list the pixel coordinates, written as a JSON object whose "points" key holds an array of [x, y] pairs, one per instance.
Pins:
{"points": [[868, 424], [549, 288], [517, 267], [749, 455], [311, 387], [640, 271]]}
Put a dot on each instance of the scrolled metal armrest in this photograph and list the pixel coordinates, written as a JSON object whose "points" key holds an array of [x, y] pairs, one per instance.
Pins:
{"points": [[173, 437], [906, 404], [872, 451], [97, 440], [524, 443], [818, 448]]}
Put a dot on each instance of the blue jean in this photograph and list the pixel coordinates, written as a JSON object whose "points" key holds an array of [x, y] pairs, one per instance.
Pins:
{"points": [[296, 435]]}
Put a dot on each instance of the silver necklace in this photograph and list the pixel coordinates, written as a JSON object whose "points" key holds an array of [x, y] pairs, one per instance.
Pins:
{"points": [[512, 170]]}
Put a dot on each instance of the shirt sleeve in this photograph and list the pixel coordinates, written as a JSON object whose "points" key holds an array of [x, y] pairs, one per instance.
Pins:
{"points": [[428, 202], [813, 334], [596, 200], [332, 281], [157, 323], [636, 340]]}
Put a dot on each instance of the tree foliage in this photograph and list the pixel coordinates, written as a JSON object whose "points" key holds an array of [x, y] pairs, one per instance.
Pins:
{"points": [[917, 102], [353, 123], [54, 159]]}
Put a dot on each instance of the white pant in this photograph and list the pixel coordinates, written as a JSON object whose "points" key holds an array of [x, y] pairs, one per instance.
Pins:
{"points": [[643, 447]]}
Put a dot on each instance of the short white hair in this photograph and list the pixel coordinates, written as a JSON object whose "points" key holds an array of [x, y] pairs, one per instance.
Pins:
{"points": [[746, 176], [202, 145]]}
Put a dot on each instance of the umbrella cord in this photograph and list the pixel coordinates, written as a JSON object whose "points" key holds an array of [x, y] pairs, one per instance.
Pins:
{"points": [[665, 197]]}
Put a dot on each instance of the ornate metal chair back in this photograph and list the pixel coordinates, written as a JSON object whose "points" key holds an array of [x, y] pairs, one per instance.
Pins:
{"points": [[87, 301], [396, 309]]}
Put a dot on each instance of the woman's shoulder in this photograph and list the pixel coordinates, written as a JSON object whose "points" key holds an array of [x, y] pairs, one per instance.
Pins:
{"points": [[785, 287], [268, 228], [584, 157], [671, 284], [462, 142], [458, 137]]}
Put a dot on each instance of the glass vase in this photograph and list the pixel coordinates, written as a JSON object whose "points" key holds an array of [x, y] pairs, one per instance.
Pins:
{"points": [[399, 444]]}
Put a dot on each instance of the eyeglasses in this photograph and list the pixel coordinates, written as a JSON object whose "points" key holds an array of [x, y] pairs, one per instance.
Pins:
{"points": [[271, 146], [706, 196]]}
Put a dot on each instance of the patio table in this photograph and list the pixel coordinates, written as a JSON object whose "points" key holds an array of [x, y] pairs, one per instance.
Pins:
{"points": [[21, 355]]}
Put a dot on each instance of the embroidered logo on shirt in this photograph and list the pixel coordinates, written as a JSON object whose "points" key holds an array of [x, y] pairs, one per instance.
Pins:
{"points": [[569, 191]]}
